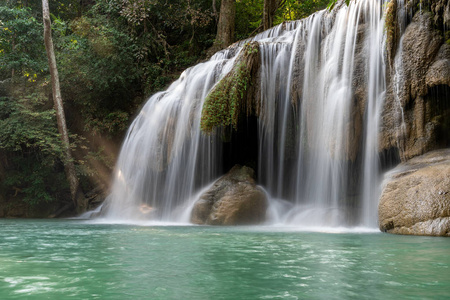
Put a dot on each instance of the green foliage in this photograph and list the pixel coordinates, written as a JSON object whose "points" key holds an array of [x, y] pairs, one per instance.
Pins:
{"points": [[224, 103], [294, 9], [97, 72], [22, 51], [249, 14], [27, 125], [64, 9], [332, 3], [162, 30], [30, 138], [36, 179], [248, 17], [120, 51]]}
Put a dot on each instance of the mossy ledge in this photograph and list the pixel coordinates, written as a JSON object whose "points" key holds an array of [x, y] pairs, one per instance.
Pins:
{"points": [[236, 93], [392, 30]]}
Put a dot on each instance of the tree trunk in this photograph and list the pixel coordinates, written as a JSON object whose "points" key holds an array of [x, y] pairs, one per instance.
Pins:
{"points": [[225, 27], [270, 8], [214, 9], [76, 194], [13, 49], [267, 14]]}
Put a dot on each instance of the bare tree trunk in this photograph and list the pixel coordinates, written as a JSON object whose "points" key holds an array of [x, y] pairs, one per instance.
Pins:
{"points": [[77, 196], [214, 9], [13, 48], [270, 8], [267, 14], [225, 27]]}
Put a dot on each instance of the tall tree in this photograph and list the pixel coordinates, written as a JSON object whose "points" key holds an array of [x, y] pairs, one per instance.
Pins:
{"points": [[270, 8], [76, 194], [225, 26]]}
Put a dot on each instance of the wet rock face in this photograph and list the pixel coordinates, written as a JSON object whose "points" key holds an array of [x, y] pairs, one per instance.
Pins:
{"points": [[416, 198], [439, 72], [441, 12], [421, 43], [417, 102], [234, 199]]}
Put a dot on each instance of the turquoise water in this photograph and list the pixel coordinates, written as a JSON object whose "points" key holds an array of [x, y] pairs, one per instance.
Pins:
{"points": [[74, 259]]}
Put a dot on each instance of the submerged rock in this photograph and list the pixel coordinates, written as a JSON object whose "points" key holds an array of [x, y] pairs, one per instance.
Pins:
{"points": [[416, 198], [234, 199]]}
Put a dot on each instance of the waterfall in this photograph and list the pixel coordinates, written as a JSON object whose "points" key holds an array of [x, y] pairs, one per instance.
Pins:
{"points": [[322, 87]]}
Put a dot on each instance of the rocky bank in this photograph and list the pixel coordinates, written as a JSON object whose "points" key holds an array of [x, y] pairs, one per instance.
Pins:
{"points": [[416, 196], [416, 121]]}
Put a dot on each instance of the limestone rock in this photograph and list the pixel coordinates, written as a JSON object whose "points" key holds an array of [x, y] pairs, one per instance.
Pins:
{"points": [[416, 198], [421, 43], [417, 102], [441, 12], [439, 72], [234, 199], [447, 15]]}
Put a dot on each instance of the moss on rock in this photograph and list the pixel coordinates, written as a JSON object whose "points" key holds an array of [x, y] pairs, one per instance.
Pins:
{"points": [[392, 30], [235, 93]]}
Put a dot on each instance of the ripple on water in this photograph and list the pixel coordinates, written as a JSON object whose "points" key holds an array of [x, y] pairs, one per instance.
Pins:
{"points": [[30, 285], [129, 262]]}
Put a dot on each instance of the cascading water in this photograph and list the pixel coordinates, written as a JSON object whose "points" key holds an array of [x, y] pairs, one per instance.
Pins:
{"points": [[398, 71], [322, 87]]}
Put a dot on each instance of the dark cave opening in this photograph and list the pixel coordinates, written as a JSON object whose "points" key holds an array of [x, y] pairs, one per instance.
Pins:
{"points": [[438, 108], [241, 146], [389, 158]]}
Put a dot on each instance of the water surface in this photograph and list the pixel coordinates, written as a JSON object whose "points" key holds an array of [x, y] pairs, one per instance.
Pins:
{"points": [[80, 260]]}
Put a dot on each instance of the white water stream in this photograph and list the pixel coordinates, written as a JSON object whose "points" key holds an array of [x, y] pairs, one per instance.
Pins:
{"points": [[322, 90]]}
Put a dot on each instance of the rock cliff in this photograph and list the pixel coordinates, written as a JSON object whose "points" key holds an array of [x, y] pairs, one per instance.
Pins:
{"points": [[417, 106], [416, 120]]}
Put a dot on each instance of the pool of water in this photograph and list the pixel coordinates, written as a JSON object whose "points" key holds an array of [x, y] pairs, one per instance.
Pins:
{"points": [[76, 259]]}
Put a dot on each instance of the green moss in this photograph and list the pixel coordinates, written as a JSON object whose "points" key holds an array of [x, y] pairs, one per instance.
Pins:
{"points": [[225, 102], [390, 26], [390, 22]]}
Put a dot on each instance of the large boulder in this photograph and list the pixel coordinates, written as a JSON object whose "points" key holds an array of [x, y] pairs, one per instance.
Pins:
{"points": [[234, 199], [416, 198]]}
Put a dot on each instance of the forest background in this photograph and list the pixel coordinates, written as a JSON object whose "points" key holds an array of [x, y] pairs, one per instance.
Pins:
{"points": [[111, 56]]}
